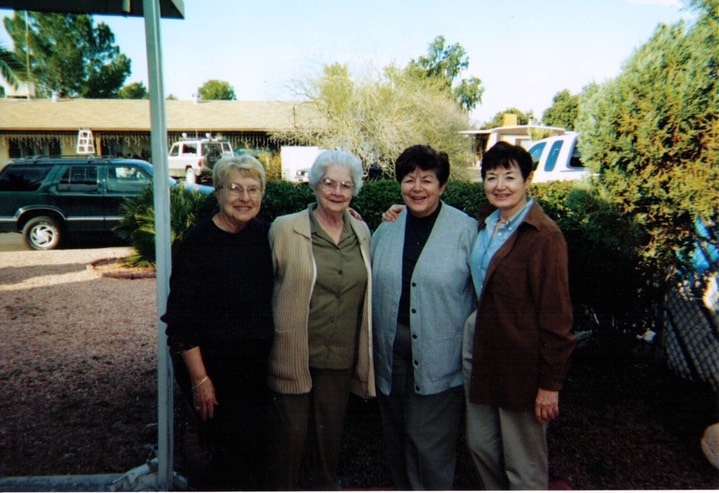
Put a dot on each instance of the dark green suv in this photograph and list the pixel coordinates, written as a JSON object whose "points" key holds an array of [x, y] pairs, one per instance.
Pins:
{"points": [[46, 197]]}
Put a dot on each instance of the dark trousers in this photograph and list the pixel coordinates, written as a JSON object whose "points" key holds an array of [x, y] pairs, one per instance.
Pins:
{"points": [[420, 431], [316, 417], [235, 438]]}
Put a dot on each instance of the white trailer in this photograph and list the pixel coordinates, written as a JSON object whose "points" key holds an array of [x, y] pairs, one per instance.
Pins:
{"points": [[297, 160]]}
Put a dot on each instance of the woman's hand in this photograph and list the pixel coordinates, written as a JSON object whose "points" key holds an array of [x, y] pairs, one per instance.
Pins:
{"points": [[546, 406], [354, 214], [203, 391], [203, 398], [391, 214]]}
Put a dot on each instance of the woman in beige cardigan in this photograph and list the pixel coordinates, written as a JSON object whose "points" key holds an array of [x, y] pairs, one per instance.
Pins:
{"points": [[321, 306]]}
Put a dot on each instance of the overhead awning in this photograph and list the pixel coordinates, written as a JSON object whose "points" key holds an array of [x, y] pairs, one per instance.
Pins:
{"points": [[171, 9]]}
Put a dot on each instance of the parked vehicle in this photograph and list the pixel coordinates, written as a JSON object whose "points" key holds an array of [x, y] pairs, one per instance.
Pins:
{"points": [[193, 159], [45, 198], [296, 162], [303, 175], [557, 158]]}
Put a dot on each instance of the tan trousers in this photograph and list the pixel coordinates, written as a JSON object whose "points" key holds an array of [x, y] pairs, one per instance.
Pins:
{"points": [[508, 448]]}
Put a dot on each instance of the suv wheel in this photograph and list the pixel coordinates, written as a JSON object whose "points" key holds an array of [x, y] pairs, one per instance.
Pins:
{"points": [[42, 233], [190, 176]]}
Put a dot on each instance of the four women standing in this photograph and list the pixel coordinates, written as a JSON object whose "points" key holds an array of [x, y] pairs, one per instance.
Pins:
{"points": [[516, 345]]}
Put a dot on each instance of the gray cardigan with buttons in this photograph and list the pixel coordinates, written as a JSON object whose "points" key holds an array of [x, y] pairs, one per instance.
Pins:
{"points": [[442, 297]]}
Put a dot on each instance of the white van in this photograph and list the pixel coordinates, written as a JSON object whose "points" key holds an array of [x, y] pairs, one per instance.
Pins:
{"points": [[557, 158]]}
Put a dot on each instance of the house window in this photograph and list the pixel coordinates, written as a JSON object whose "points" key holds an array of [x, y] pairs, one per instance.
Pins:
{"points": [[19, 148]]}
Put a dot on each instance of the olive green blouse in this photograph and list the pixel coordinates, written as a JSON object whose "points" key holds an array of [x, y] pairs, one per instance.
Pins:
{"points": [[337, 298]]}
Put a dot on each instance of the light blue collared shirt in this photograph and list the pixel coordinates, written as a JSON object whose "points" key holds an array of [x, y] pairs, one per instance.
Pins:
{"points": [[487, 245]]}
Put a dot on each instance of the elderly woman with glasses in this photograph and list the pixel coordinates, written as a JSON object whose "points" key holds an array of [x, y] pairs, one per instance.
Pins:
{"points": [[321, 309], [220, 329]]}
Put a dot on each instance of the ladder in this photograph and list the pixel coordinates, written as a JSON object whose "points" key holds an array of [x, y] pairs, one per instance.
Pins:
{"points": [[85, 142]]}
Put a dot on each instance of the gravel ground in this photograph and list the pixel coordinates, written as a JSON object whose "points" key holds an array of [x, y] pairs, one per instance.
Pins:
{"points": [[78, 385]]}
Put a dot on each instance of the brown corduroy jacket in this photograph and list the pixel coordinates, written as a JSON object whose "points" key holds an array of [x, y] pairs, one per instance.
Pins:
{"points": [[522, 339]]}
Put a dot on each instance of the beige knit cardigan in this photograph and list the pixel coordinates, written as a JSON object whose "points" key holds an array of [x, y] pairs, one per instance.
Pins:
{"points": [[295, 274]]}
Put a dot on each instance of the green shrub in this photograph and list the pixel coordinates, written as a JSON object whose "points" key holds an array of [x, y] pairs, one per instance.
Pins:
{"points": [[375, 198], [283, 197], [465, 196], [609, 291], [137, 225]]}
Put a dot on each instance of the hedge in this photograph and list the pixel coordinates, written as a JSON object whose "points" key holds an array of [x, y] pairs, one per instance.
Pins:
{"points": [[607, 284]]}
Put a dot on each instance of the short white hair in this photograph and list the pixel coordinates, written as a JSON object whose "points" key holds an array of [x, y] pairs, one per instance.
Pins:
{"points": [[244, 163], [343, 159]]}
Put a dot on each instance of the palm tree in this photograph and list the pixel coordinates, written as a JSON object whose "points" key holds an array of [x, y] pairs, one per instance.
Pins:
{"points": [[11, 68]]}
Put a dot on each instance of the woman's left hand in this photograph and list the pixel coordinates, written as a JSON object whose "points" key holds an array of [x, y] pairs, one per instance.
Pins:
{"points": [[391, 214], [546, 406], [354, 214]]}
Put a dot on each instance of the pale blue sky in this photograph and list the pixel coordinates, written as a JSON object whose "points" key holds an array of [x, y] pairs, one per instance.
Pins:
{"points": [[525, 51]]}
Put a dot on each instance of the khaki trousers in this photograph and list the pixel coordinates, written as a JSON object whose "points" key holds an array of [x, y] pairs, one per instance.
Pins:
{"points": [[508, 448]]}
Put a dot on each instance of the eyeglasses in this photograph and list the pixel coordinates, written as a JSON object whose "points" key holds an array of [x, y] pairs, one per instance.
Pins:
{"points": [[331, 185], [235, 190]]}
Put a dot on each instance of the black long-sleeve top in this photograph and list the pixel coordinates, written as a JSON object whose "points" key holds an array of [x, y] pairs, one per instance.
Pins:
{"points": [[220, 289]]}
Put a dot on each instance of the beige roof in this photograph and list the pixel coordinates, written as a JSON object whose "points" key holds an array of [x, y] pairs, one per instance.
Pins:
{"points": [[134, 115]]}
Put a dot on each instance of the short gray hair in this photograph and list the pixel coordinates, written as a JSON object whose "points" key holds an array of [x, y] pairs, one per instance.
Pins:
{"points": [[343, 159], [245, 162]]}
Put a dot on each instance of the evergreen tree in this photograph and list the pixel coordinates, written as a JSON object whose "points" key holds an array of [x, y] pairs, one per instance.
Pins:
{"points": [[652, 133], [563, 112], [216, 90], [498, 119], [135, 90], [68, 54], [11, 68]]}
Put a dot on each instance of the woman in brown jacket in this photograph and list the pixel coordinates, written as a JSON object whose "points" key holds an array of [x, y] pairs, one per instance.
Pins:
{"points": [[518, 342]]}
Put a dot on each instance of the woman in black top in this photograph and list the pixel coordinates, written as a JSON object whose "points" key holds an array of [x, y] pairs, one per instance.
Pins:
{"points": [[220, 329]]}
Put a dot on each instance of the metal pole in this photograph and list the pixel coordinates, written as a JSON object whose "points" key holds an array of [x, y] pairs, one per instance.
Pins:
{"points": [[158, 137]]}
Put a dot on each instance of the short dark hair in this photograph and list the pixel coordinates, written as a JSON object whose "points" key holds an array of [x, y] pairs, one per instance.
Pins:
{"points": [[506, 155], [424, 158]]}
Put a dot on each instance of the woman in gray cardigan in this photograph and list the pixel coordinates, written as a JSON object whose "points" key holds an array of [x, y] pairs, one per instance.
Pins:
{"points": [[422, 295]]}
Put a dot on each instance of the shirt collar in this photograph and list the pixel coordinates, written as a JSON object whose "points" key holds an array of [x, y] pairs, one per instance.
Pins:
{"points": [[514, 221]]}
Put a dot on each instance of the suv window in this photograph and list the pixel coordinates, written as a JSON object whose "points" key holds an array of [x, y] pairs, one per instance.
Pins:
{"points": [[78, 179], [189, 149], [126, 179], [212, 149], [23, 178]]}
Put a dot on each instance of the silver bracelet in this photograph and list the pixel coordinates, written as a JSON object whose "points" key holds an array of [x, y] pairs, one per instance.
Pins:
{"points": [[200, 383]]}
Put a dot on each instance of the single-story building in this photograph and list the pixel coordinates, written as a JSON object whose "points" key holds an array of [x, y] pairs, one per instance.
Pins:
{"points": [[523, 135], [121, 127]]}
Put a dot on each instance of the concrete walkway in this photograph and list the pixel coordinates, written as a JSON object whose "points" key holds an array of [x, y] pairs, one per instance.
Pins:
{"points": [[90, 482]]}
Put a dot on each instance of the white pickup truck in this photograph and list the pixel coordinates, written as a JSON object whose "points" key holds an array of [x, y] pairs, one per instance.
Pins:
{"points": [[557, 158]]}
